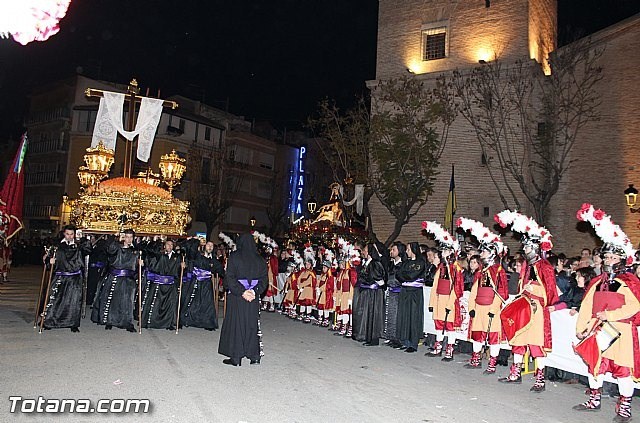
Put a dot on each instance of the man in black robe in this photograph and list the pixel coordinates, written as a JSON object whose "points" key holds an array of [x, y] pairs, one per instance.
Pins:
{"points": [[412, 274], [394, 286], [368, 304], [97, 267], [64, 305], [160, 297], [113, 304], [246, 279], [198, 308]]}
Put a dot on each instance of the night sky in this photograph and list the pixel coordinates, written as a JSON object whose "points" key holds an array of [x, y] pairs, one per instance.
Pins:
{"points": [[269, 59]]}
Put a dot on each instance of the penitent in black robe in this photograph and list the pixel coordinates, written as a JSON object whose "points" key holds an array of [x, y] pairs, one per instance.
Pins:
{"points": [[391, 303], [368, 304], [411, 302], [239, 335], [113, 304], [98, 261], [160, 296], [198, 308], [64, 305]]}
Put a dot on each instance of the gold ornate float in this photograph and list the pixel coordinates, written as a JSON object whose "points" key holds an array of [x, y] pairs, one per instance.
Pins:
{"points": [[113, 205]]}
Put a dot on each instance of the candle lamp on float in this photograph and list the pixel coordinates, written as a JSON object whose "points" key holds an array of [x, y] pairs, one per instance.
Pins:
{"points": [[172, 168]]}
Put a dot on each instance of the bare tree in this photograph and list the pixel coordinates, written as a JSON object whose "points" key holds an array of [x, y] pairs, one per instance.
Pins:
{"points": [[528, 122]]}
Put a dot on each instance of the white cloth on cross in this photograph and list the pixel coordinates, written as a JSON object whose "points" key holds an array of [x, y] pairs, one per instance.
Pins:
{"points": [[358, 198], [109, 123]]}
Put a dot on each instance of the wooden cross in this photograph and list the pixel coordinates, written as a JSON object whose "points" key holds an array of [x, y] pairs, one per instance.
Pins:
{"points": [[133, 98]]}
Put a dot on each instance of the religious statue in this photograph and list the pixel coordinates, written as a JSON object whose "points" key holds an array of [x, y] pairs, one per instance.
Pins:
{"points": [[332, 212]]}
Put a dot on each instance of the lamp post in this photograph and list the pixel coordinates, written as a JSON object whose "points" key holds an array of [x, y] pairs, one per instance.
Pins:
{"points": [[312, 205], [148, 177], [631, 195]]}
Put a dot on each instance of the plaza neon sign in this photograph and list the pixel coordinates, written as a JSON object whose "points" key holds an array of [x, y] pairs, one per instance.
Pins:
{"points": [[297, 190]]}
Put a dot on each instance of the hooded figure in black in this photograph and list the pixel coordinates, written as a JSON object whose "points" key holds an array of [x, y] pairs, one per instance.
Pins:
{"points": [[98, 261], [398, 256], [368, 305], [246, 279], [412, 275]]}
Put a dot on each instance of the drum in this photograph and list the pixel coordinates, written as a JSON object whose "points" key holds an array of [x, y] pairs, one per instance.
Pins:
{"points": [[600, 339], [516, 317]]}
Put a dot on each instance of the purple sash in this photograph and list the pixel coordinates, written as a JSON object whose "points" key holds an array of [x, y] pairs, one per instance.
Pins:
{"points": [[247, 284], [372, 286], [201, 274], [122, 272], [160, 279], [395, 289], [77, 272], [187, 277], [414, 284], [97, 264]]}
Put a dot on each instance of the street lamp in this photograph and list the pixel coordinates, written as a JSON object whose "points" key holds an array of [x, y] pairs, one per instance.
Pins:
{"points": [[252, 221], [631, 195], [312, 205]]}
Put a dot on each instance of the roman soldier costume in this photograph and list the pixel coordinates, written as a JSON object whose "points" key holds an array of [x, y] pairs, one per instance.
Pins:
{"points": [[489, 291], [609, 318], [325, 293], [526, 320], [448, 287]]}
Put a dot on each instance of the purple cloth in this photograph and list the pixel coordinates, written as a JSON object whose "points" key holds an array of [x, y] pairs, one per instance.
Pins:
{"points": [[395, 289], [77, 272], [160, 279], [122, 272], [247, 284], [418, 283], [97, 264], [201, 274], [372, 286]]}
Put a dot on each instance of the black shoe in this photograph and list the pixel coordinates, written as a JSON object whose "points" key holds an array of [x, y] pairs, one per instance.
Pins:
{"points": [[371, 344], [131, 329], [401, 348], [410, 350], [230, 362], [108, 327], [75, 329], [209, 329], [255, 362], [171, 327]]}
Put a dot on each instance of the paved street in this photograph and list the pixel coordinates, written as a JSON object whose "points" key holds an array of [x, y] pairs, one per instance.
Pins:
{"points": [[307, 375]]}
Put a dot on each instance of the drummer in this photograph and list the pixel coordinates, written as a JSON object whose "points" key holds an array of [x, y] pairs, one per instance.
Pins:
{"points": [[538, 285], [612, 297]]}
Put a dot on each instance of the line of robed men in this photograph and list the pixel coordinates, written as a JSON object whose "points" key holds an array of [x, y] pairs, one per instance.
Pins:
{"points": [[116, 269]]}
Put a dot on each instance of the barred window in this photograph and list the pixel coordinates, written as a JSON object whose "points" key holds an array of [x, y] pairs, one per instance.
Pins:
{"points": [[434, 43]]}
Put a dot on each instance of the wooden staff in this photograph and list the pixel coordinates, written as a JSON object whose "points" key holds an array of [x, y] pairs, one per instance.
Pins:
{"points": [[139, 292], [44, 312], [180, 295], [85, 282], [216, 293], [39, 300]]}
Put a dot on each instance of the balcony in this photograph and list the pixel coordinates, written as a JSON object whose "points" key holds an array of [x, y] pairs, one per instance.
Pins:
{"points": [[41, 211], [47, 146], [43, 178]]}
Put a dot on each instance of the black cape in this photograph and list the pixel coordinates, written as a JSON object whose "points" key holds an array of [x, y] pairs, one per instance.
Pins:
{"points": [[160, 301], [411, 302], [368, 304], [239, 334], [392, 297], [113, 304], [64, 305]]}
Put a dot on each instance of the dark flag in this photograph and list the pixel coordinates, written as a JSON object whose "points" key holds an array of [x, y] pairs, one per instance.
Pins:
{"points": [[451, 204], [12, 195]]}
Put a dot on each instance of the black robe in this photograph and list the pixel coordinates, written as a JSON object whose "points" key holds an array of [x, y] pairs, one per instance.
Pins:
{"points": [[160, 299], [198, 307], [113, 304], [391, 304], [411, 303], [368, 304], [64, 305], [97, 268], [239, 335]]}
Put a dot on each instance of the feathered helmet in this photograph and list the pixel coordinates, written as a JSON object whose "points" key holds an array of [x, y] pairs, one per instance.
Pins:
{"points": [[310, 255], [442, 236], [330, 257], [348, 252], [297, 260], [532, 234], [227, 240], [615, 240], [487, 239], [268, 243]]}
